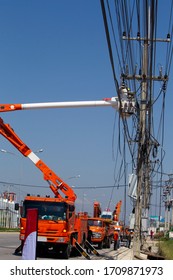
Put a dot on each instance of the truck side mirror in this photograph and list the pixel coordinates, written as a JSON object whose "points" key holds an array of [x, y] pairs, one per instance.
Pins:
{"points": [[71, 208]]}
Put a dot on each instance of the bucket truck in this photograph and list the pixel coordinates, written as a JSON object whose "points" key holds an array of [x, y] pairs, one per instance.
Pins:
{"points": [[102, 229], [59, 227]]}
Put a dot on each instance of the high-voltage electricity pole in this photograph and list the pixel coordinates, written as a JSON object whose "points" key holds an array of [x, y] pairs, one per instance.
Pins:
{"points": [[145, 143], [147, 19]]}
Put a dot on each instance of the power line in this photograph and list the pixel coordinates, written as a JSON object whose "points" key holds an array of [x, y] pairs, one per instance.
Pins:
{"points": [[81, 187]]}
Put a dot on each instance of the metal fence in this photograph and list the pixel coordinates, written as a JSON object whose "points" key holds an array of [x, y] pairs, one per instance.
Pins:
{"points": [[9, 217]]}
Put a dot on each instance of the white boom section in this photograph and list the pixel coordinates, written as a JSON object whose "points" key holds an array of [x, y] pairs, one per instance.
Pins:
{"points": [[72, 104], [127, 104], [33, 157]]}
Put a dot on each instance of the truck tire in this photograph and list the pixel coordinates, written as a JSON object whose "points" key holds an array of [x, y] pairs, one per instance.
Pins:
{"points": [[67, 251], [100, 245], [42, 250], [108, 242]]}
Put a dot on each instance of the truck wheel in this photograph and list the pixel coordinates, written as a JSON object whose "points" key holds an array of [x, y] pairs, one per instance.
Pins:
{"points": [[100, 245], [67, 252], [41, 250], [108, 243]]}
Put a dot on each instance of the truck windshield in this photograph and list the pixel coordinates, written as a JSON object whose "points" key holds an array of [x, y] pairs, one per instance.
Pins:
{"points": [[96, 223], [46, 210], [106, 216]]}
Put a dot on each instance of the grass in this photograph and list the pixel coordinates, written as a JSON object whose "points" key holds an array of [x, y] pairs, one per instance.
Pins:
{"points": [[166, 248], [9, 229]]}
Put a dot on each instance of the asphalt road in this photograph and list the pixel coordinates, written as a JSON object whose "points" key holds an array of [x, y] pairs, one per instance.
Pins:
{"points": [[9, 241]]}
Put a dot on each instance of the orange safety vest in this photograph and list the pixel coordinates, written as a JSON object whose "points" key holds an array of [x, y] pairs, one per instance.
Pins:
{"points": [[115, 236]]}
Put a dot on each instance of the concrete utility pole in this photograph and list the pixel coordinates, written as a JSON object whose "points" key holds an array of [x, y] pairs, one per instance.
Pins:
{"points": [[144, 142], [142, 152]]}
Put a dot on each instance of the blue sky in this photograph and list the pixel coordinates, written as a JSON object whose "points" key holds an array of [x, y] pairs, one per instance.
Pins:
{"points": [[57, 51]]}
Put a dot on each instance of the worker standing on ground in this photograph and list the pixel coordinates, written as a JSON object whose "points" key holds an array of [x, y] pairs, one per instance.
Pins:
{"points": [[116, 239], [151, 234], [129, 238]]}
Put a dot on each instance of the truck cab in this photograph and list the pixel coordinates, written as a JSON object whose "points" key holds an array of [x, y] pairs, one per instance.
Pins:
{"points": [[102, 232]]}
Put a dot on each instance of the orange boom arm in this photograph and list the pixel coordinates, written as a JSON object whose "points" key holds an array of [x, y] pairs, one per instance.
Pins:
{"points": [[56, 183]]}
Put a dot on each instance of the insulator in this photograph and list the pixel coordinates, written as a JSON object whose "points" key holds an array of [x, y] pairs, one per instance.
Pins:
{"points": [[124, 34], [168, 36], [155, 151], [164, 86]]}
